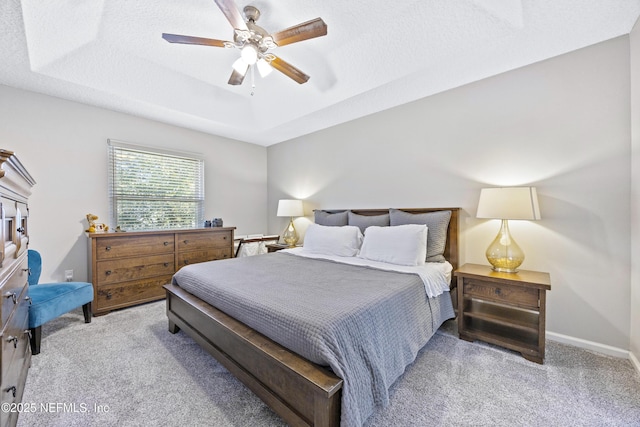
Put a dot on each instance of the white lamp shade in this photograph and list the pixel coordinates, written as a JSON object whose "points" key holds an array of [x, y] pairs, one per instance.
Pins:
{"points": [[509, 203], [288, 207]]}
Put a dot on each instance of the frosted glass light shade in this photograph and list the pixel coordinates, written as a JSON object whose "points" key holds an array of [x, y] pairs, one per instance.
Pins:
{"points": [[264, 68], [249, 53], [240, 66]]}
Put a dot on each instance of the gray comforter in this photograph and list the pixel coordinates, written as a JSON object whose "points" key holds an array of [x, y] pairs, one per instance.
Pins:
{"points": [[367, 325]]}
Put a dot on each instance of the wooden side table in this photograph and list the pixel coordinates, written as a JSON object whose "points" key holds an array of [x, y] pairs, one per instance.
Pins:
{"points": [[506, 309]]}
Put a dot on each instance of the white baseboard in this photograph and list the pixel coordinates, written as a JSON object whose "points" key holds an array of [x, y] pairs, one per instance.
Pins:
{"points": [[591, 345], [634, 361]]}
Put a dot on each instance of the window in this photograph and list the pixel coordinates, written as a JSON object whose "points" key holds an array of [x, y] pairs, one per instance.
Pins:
{"points": [[154, 189]]}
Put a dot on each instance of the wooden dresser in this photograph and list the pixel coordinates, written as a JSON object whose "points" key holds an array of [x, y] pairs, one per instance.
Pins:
{"points": [[130, 268], [15, 352]]}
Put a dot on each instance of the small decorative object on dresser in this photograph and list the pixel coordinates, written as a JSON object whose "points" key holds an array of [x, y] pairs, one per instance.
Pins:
{"points": [[15, 352], [507, 309], [131, 268]]}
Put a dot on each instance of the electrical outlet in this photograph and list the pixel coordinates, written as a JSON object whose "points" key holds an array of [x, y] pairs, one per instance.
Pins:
{"points": [[68, 275]]}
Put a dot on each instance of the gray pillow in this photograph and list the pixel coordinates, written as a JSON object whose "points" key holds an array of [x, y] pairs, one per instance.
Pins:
{"points": [[330, 219], [364, 221], [437, 224]]}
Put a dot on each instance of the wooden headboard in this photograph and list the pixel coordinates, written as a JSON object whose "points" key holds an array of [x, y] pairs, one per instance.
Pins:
{"points": [[451, 249]]}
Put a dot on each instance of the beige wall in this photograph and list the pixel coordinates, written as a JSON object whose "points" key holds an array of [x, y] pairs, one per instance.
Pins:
{"points": [[635, 193], [561, 125], [63, 144]]}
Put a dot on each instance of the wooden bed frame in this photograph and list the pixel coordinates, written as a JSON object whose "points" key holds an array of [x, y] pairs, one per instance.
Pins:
{"points": [[301, 392]]}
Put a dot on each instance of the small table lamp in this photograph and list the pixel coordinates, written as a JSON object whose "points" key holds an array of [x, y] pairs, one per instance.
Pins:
{"points": [[290, 208], [503, 253]]}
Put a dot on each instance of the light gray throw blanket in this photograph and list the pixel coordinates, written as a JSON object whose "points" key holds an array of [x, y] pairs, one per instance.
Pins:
{"points": [[367, 325]]}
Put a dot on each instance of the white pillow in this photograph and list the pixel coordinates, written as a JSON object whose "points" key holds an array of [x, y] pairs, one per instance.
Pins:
{"points": [[400, 244], [326, 240]]}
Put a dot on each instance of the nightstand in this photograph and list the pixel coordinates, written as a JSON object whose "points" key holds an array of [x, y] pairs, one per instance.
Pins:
{"points": [[275, 247], [506, 309]]}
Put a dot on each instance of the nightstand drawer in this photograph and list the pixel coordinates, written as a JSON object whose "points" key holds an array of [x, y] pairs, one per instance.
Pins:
{"points": [[513, 295]]}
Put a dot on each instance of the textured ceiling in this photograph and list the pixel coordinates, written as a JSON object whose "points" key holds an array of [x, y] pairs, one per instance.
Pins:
{"points": [[377, 54]]}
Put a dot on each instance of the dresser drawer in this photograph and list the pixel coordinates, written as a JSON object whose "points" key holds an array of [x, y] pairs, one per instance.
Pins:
{"points": [[118, 295], [193, 257], [203, 240], [133, 268], [516, 295], [12, 288], [127, 246], [15, 338], [12, 386]]}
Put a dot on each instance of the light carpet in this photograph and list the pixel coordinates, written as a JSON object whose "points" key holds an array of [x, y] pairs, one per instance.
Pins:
{"points": [[126, 369]]}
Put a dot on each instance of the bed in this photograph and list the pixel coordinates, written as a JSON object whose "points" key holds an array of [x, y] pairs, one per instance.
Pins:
{"points": [[279, 356]]}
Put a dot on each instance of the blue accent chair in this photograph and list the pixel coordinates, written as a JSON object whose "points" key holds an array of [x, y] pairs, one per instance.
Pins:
{"points": [[51, 300]]}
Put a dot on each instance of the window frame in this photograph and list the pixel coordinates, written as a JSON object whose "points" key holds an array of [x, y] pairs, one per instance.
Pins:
{"points": [[197, 198]]}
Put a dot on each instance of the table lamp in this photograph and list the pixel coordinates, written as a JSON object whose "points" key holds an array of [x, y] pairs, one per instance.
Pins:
{"points": [[290, 208], [507, 203]]}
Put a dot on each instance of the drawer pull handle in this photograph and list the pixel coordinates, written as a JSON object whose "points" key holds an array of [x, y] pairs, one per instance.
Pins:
{"points": [[14, 339], [224, 237], [28, 333], [166, 264], [498, 291], [11, 389], [186, 261], [27, 270], [20, 230], [108, 272], [109, 295], [28, 298], [186, 242], [11, 295], [108, 248], [166, 243]]}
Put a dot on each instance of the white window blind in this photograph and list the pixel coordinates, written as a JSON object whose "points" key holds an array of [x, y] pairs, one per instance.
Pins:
{"points": [[154, 189]]}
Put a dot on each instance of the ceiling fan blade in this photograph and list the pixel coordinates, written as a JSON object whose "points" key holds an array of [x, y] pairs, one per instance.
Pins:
{"points": [[236, 77], [177, 38], [306, 30], [289, 70], [230, 10]]}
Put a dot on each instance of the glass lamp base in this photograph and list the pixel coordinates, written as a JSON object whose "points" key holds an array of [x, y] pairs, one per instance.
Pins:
{"points": [[503, 253], [290, 236]]}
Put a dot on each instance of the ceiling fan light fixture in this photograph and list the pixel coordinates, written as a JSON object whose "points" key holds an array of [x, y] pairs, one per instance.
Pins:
{"points": [[240, 66], [249, 54], [254, 42], [264, 68]]}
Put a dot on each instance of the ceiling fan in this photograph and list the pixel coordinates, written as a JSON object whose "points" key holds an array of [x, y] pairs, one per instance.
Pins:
{"points": [[254, 42]]}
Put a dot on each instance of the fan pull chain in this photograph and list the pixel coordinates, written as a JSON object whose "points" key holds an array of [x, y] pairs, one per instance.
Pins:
{"points": [[253, 82]]}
